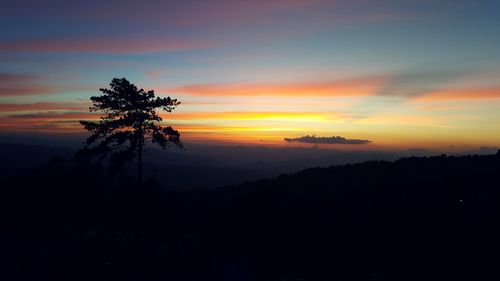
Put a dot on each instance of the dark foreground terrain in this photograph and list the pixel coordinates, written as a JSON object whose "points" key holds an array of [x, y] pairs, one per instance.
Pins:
{"points": [[435, 218]]}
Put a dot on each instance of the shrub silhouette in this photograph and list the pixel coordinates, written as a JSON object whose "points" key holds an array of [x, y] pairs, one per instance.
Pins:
{"points": [[130, 120]]}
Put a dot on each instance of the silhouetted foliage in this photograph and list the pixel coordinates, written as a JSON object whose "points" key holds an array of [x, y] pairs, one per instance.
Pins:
{"points": [[130, 120]]}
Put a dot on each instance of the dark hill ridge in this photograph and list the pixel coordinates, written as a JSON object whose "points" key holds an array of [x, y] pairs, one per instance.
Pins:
{"points": [[428, 218], [413, 219], [18, 158], [192, 170], [30, 156]]}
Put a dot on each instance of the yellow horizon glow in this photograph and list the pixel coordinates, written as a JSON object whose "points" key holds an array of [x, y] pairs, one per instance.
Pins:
{"points": [[453, 117]]}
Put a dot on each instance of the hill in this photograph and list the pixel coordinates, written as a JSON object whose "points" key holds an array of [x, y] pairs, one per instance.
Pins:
{"points": [[17, 158], [412, 219], [418, 218], [191, 170]]}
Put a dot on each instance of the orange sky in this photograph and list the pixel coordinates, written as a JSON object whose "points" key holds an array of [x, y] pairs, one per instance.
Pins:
{"points": [[406, 74], [265, 115]]}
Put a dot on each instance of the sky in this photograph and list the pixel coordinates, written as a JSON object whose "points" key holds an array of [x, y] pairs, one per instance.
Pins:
{"points": [[342, 74]]}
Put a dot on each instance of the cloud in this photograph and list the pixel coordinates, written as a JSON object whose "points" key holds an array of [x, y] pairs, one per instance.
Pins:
{"points": [[49, 116], [251, 116], [6, 77], [414, 84], [364, 86], [27, 91], [45, 121], [326, 140], [155, 73], [38, 106], [437, 86], [421, 120], [431, 108], [189, 14], [22, 84], [461, 94], [25, 84], [121, 45], [39, 125]]}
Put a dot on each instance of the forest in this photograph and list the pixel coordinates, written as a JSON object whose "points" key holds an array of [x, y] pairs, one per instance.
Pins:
{"points": [[417, 218]]}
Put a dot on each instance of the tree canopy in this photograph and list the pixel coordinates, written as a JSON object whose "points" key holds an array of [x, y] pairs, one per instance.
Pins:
{"points": [[131, 118]]}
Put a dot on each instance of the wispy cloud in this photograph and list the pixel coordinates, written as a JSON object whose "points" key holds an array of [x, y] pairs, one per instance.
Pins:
{"points": [[39, 106], [6, 77], [365, 86], [216, 14], [70, 115], [118, 45], [252, 116], [462, 94], [21, 84], [27, 91], [26, 84], [50, 122], [441, 107], [413, 84], [326, 140]]}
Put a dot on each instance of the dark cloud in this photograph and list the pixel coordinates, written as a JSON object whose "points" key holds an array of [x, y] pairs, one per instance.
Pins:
{"points": [[328, 140]]}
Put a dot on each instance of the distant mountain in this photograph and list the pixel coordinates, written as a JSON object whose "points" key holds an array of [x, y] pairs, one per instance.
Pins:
{"points": [[197, 166], [190, 170], [205, 166], [21, 157]]}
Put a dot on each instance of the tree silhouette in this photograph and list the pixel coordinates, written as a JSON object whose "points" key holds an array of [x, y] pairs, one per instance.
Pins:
{"points": [[130, 120]]}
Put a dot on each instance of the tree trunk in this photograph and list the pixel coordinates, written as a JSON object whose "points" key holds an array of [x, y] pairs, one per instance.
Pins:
{"points": [[136, 199], [139, 161]]}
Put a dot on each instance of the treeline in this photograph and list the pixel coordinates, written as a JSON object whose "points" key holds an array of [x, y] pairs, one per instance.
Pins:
{"points": [[430, 218]]}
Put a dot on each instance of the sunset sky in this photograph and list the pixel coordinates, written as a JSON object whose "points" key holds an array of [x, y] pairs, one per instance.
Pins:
{"points": [[401, 74]]}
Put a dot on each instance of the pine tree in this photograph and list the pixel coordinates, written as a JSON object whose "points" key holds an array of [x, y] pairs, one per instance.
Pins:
{"points": [[130, 120]]}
